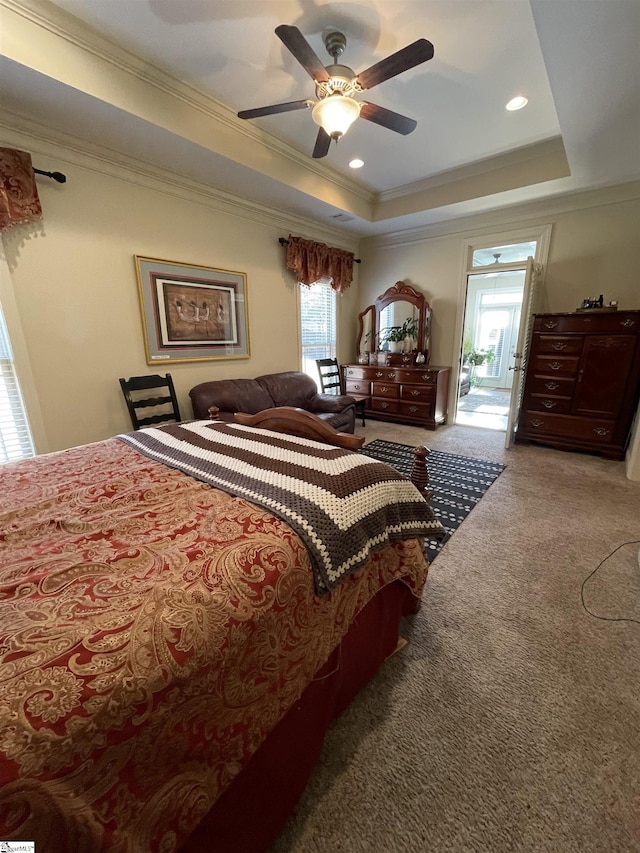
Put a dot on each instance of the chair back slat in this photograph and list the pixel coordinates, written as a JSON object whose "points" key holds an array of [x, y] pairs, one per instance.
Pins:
{"points": [[330, 376], [331, 382], [139, 406]]}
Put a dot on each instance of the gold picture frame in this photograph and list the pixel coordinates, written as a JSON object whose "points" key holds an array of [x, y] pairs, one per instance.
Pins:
{"points": [[192, 312]]}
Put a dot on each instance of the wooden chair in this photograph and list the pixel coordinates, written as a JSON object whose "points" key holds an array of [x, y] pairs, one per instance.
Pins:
{"points": [[134, 390], [331, 383]]}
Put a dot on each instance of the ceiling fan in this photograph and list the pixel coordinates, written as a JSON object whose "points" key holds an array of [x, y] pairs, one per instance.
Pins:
{"points": [[336, 108]]}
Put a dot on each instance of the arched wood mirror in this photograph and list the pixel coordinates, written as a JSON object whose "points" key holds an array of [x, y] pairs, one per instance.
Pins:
{"points": [[398, 322]]}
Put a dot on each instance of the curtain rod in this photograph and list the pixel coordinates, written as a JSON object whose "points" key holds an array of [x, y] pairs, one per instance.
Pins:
{"points": [[284, 242], [57, 176]]}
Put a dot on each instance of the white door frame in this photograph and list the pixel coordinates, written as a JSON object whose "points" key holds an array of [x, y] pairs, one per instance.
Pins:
{"points": [[540, 233]]}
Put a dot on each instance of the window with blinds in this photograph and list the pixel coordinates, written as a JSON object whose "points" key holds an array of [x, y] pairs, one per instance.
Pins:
{"points": [[15, 438], [317, 325]]}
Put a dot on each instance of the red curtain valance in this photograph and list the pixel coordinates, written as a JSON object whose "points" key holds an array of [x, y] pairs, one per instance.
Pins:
{"points": [[19, 200], [312, 261]]}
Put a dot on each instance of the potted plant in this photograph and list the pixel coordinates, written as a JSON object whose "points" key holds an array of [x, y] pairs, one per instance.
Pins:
{"points": [[474, 358], [396, 336]]}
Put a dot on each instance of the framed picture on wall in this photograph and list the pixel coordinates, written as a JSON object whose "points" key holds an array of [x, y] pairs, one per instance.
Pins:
{"points": [[192, 312]]}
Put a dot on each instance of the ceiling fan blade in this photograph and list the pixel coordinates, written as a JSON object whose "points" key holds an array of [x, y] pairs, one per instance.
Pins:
{"points": [[411, 55], [294, 41], [387, 118], [275, 108], [323, 141]]}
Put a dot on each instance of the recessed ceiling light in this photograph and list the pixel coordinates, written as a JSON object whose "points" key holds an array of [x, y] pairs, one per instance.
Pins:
{"points": [[517, 103], [357, 163]]}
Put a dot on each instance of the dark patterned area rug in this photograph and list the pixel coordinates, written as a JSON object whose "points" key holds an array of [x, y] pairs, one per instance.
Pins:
{"points": [[457, 482]]}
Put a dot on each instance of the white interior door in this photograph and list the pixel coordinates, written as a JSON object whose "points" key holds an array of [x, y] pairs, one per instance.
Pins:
{"points": [[530, 298]]}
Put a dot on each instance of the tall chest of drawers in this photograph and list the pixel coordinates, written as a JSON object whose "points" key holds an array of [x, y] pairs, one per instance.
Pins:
{"points": [[582, 381], [405, 394]]}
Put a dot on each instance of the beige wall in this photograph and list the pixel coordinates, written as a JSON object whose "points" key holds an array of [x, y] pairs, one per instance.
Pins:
{"points": [[70, 293], [75, 299], [594, 249]]}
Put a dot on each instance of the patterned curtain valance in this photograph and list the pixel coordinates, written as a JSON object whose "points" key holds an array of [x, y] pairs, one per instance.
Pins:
{"points": [[312, 261], [19, 200]]}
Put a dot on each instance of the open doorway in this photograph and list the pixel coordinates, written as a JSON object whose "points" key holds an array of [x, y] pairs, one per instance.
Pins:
{"points": [[491, 323], [501, 289]]}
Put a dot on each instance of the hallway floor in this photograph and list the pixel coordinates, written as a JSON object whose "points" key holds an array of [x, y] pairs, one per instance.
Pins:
{"points": [[484, 407]]}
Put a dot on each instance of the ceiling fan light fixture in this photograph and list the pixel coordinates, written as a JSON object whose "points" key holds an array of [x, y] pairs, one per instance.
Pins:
{"points": [[335, 114]]}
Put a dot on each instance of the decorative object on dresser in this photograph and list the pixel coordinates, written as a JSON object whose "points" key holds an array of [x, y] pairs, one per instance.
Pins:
{"points": [[582, 382], [404, 393]]}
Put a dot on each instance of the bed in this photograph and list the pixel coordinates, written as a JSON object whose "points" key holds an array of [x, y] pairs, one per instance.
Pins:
{"points": [[171, 648]]}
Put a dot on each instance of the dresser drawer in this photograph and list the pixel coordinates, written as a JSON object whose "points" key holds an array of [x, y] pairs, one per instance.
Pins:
{"points": [[357, 372], [416, 410], [556, 405], [382, 404], [557, 386], [559, 344], [383, 374], [385, 389], [616, 321], [417, 376], [357, 386], [418, 393], [586, 429], [551, 365]]}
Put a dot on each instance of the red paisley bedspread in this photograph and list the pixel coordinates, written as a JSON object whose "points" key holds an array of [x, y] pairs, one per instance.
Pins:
{"points": [[153, 630]]}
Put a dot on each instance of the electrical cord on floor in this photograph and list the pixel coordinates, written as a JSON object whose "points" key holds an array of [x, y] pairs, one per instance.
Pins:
{"points": [[591, 574]]}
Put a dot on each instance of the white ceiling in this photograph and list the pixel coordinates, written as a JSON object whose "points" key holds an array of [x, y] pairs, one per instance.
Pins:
{"points": [[577, 61]]}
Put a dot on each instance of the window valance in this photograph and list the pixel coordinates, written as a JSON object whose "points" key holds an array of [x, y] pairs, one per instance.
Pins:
{"points": [[312, 261], [19, 200]]}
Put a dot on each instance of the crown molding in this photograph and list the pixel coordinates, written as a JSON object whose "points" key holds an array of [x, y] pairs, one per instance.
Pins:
{"points": [[525, 214], [43, 14], [43, 141], [525, 154]]}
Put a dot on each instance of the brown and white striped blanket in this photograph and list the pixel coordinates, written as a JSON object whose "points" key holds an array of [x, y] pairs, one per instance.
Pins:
{"points": [[342, 504]]}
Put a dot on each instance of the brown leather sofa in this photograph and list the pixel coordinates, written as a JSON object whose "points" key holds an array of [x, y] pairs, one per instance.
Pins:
{"points": [[273, 389]]}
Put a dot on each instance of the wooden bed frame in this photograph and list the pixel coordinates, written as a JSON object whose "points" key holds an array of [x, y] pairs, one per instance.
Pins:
{"points": [[300, 422]]}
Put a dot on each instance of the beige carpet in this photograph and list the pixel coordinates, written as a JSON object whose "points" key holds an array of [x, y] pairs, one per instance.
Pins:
{"points": [[511, 721]]}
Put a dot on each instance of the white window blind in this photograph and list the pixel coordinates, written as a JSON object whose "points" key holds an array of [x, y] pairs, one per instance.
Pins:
{"points": [[317, 325], [15, 438]]}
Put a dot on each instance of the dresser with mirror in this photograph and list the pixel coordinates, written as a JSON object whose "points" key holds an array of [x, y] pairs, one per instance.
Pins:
{"points": [[393, 370]]}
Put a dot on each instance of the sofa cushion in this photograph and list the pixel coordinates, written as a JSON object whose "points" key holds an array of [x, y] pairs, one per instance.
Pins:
{"points": [[290, 389], [270, 390], [230, 395]]}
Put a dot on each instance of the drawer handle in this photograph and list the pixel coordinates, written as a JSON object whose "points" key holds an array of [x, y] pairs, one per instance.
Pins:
{"points": [[416, 393], [384, 389], [379, 373], [350, 372], [549, 404], [384, 405], [552, 385], [559, 346], [413, 409], [391, 375], [628, 322], [551, 324], [536, 423], [555, 365], [601, 431], [425, 376], [357, 387]]}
